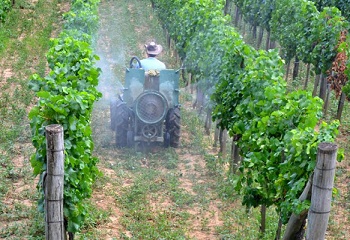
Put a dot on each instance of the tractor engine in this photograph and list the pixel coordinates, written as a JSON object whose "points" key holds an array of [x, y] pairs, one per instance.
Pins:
{"points": [[150, 110]]}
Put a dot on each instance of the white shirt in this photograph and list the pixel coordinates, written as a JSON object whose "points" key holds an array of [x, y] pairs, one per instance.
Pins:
{"points": [[152, 63]]}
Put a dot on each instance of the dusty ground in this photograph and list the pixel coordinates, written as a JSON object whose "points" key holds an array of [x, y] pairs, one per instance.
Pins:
{"points": [[116, 55]]}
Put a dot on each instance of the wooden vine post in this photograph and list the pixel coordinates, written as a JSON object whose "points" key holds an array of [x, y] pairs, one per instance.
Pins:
{"points": [[223, 142], [235, 157], [323, 87], [307, 76], [322, 191], [295, 227], [54, 181], [216, 134], [341, 105], [317, 82]]}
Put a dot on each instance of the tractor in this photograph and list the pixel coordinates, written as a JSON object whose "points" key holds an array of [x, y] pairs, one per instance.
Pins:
{"points": [[148, 110]]}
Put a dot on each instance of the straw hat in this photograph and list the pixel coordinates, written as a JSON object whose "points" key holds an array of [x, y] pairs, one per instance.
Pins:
{"points": [[153, 48]]}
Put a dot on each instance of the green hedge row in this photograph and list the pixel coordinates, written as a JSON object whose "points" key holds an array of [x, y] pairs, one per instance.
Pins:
{"points": [[5, 6], [342, 5], [66, 97], [275, 128], [308, 30], [299, 27]]}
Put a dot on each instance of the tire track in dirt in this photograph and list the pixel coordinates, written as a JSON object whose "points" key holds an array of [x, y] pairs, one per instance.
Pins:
{"points": [[205, 211], [118, 39], [120, 36], [205, 218]]}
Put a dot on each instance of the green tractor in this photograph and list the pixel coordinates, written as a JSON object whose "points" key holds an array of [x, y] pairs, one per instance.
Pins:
{"points": [[148, 110]]}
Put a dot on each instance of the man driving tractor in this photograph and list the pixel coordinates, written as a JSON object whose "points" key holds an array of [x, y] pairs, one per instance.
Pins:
{"points": [[151, 62], [148, 110]]}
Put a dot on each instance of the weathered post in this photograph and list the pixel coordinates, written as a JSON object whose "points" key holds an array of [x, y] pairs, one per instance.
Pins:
{"points": [[227, 8], [323, 87], [341, 105], [316, 84], [235, 157], [322, 191], [208, 121], [296, 68], [216, 134], [54, 227], [223, 142], [295, 227], [307, 76]]}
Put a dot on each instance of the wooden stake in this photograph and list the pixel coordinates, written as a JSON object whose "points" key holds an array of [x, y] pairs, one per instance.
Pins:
{"points": [[323, 87], [326, 102], [341, 105], [322, 191], [307, 76], [216, 135], [54, 228], [223, 142], [296, 68], [208, 121], [235, 157], [317, 82], [295, 226]]}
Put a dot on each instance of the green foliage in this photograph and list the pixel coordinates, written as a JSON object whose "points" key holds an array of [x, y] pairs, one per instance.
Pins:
{"points": [[325, 35], [277, 132], [345, 47], [342, 5], [277, 129], [257, 12], [83, 16], [309, 30], [299, 161], [284, 27], [66, 97], [346, 90], [195, 19], [5, 6]]}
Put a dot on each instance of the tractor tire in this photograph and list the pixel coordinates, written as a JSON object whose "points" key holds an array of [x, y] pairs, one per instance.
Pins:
{"points": [[166, 139], [130, 139], [121, 137], [120, 116], [173, 126], [112, 107]]}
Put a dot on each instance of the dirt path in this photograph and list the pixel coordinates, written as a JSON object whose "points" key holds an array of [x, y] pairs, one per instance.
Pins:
{"points": [[122, 34]]}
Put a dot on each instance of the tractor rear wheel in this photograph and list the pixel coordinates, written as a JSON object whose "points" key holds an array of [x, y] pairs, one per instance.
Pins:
{"points": [[129, 138], [166, 139], [120, 115], [173, 126], [112, 107]]}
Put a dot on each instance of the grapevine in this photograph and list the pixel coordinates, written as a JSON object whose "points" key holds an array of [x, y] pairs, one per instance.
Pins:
{"points": [[66, 97], [276, 128], [5, 6]]}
